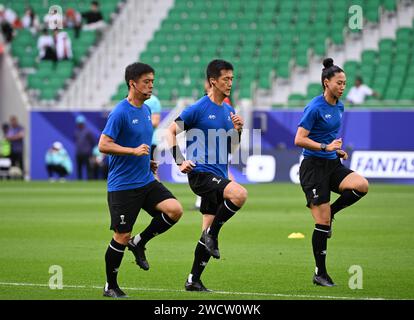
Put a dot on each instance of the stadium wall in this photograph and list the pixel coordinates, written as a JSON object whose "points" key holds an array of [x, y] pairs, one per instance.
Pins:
{"points": [[378, 142]]}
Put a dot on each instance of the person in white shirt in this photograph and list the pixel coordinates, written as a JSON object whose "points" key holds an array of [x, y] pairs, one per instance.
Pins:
{"points": [[46, 46], [63, 45], [359, 92], [7, 19], [30, 21]]}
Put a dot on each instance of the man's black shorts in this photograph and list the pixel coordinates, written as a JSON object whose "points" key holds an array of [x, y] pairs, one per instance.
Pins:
{"points": [[319, 176], [125, 205], [210, 188]]}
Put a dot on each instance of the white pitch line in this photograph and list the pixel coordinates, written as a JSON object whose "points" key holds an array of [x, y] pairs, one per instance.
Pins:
{"points": [[262, 294]]}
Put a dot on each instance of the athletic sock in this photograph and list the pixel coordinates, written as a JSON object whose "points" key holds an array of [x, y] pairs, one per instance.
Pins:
{"points": [[159, 224], [201, 258], [224, 212], [113, 258], [348, 197], [319, 245]]}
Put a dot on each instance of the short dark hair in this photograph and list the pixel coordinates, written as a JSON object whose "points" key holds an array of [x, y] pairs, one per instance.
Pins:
{"points": [[136, 70], [330, 70], [359, 78], [5, 127], [214, 68]]}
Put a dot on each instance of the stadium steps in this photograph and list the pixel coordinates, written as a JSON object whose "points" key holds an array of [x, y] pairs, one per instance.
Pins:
{"points": [[120, 45], [44, 80], [263, 39], [389, 34], [388, 70]]}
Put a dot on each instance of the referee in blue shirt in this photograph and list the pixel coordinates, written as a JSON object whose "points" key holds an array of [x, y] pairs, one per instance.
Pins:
{"points": [[131, 184], [213, 129], [321, 171]]}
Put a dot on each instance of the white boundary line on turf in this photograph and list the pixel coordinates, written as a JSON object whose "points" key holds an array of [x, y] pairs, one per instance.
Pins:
{"points": [[293, 296]]}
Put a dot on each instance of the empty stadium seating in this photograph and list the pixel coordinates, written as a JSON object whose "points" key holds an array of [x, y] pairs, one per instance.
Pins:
{"points": [[44, 78], [389, 71], [263, 39]]}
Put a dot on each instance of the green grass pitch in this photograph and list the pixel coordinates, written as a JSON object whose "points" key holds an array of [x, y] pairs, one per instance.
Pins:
{"points": [[67, 224]]}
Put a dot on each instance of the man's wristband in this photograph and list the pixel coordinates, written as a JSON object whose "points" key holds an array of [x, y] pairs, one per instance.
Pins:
{"points": [[177, 155]]}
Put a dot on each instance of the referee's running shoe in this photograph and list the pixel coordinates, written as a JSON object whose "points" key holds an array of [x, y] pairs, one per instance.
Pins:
{"points": [[323, 280], [211, 244], [139, 253], [196, 286], [114, 293]]}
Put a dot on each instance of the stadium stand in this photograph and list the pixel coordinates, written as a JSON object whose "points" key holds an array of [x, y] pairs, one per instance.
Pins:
{"points": [[265, 40], [389, 70], [46, 79]]}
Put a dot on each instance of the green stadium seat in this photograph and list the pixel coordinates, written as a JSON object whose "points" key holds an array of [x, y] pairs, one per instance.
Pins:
{"points": [[390, 5], [314, 89], [265, 81], [48, 94], [407, 93], [372, 15], [392, 93], [260, 37], [379, 84], [369, 57], [296, 99], [386, 45], [351, 67]]}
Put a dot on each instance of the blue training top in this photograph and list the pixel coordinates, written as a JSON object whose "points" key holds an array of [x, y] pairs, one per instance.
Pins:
{"points": [[129, 126], [323, 121], [201, 120], [155, 105]]}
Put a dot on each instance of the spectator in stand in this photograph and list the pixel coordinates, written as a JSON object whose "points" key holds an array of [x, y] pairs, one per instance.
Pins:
{"points": [[7, 20], [53, 19], [99, 164], [46, 46], [85, 142], [30, 21], [93, 18], [359, 92], [15, 135], [73, 19], [58, 162], [63, 45]]}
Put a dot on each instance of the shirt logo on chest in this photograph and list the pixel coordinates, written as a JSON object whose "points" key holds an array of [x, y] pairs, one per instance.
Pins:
{"points": [[135, 121], [212, 116], [328, 116]]}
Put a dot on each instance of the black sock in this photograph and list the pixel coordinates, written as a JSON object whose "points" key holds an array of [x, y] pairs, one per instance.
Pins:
{"points": [[113, 258], [201, 257], [347, 198], [319, 245], [159, 224], [224, 212]]}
